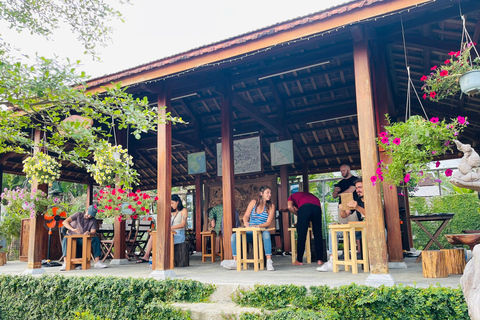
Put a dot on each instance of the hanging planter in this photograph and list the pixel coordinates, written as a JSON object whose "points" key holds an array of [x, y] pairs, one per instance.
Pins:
{"points": [[41, 167], [470, 82]]}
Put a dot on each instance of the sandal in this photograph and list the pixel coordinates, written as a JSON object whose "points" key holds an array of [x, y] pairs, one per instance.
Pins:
{"points": [[142, 260]]}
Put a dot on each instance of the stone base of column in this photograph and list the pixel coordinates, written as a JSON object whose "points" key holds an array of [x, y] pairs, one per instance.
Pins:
{"points": [[397, 265], [34, 272], [162, 274], [376, 280], [119, 262]]}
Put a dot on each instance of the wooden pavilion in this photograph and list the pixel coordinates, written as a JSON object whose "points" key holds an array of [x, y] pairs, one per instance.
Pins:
{"points": [[324, 80]]}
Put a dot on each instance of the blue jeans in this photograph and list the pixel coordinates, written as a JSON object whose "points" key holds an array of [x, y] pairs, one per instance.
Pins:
{"points": [[267, 242], [97, 252], [179, 237]]}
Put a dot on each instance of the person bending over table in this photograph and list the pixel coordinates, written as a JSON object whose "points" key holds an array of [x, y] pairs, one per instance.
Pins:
{"points": [[178, 223], [307, 208], [83, 223], [260, 213]]}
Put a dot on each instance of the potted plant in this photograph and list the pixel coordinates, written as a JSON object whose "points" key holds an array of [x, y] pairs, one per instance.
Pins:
{"points": [[119, 202], [459, 72], [412, 145], [112, 165], [41, 167]]}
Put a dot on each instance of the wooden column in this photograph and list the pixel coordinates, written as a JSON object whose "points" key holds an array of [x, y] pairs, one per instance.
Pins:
{"points": [[228, 178], [369, 158], [198, 212], [119, 244], [164, 183], [37, 246], [305, 177], [90, 197], [285, 215], [392, 212]]}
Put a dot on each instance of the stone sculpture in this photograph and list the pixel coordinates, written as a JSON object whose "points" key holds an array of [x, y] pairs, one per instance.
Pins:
{"points": [[467, 175], [470, 282]]}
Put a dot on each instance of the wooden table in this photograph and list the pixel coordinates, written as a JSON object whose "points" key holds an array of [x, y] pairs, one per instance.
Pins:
{"points": [[444, 217]]}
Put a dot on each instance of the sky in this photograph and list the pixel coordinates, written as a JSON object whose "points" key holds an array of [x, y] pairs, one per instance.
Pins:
{"points": [[154, 29]]}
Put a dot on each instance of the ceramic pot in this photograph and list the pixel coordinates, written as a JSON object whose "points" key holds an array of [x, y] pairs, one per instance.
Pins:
{"points": [[470, 82]]}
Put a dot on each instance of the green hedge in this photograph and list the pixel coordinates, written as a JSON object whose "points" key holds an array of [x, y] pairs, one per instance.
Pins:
{"points": [[59, 297], [357, 301], [467, 217]]}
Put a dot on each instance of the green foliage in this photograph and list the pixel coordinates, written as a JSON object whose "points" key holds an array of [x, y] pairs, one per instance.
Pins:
{"points": [[292, 313], [412, 145], [59, 297], [359, 302], [284, 296], [464, 206]]}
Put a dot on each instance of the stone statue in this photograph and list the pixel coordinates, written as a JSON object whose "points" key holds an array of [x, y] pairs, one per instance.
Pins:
{"points": [[470, 282], [467, 175]]}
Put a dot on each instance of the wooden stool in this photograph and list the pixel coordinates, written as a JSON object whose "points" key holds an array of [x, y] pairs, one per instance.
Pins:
{"points": [[258, 261], [71, 259], [433, 264], [208, 234], [308, 250], [455, 260], [349, 246], [220, 253]]}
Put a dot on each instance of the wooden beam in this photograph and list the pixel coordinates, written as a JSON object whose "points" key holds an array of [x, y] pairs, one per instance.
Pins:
{"points": [[245, 107], [377, 245], [164, 183], [4, 157]]}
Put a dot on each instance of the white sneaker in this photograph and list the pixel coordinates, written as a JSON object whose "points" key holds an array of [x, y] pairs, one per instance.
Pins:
{"points": [[229, 264], [270, 265], [328, 266], [63, 267], [99, 265], [79, 267]]}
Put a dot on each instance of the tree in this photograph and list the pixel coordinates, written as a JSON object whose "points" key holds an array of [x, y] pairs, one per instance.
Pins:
{"points": [[41, 94]]}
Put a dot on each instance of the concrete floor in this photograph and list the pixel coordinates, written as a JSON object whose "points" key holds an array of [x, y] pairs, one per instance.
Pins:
{"points": [[284, 273]]}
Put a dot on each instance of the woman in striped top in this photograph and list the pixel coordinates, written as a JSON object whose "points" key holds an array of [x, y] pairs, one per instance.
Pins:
{"points": [[260, 213]]}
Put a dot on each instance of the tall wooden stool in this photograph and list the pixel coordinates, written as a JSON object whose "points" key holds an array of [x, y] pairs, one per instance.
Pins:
{"points": [[220, 253], [208, 234], [349, 243], [71, 259], [308, 250], [258, 261]]}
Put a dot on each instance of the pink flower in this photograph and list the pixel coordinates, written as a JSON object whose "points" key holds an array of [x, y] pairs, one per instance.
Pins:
{"points": [[156, 198], [379, 171], [420, 173], [135, 216], [382, 134], [385, 140], [147, 210], [121, 191], [447, 61], [461, 119], [120, 218], [423, 78], [391, 187], [457, 54], [448, 172], [433, 68], [437, 164], [142, 208], [432, 94], [373, 179], [434, 120], [451, 53], [447, 143], [434, 152], [139, 202], [443, 73], [407, 178], [438, 181], [424, 96], [401, 194], [396, 141]]}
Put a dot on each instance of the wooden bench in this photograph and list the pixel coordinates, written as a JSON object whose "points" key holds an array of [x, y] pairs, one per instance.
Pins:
{"points": [[71, 258]]}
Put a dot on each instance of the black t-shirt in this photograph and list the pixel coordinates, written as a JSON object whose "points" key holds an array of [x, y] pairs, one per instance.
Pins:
{"points": [[344, 184]]}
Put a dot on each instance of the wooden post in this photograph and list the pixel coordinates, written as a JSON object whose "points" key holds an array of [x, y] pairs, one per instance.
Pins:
{"points": [[228, 178], [369, 159], [198, 212], [392, 212], [164, 183], [90, 197], [287, 246], [38, 233]]}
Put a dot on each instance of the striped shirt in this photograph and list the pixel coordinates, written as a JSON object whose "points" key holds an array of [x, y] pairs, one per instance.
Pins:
{"points": [[258, 218]]}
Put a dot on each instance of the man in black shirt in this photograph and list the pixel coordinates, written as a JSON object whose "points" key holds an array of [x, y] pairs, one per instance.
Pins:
{"points": [[347, 184], [358, 206]]}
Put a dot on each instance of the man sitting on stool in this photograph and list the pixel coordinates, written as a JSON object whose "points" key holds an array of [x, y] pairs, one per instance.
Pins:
{"points": [[358, 209], [83, 223]]}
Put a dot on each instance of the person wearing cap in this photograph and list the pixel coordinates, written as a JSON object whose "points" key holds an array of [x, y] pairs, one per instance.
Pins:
{"points": [[83, 223]]}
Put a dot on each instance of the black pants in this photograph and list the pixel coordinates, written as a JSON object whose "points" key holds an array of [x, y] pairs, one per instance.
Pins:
{"points": [[306, 213]]}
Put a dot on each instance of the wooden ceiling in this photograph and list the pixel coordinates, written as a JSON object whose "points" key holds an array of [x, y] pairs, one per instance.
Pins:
{"points": [[304, 91]]}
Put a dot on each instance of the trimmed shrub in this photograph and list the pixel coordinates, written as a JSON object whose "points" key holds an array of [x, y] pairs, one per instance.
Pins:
{"points": [[59, 297]]}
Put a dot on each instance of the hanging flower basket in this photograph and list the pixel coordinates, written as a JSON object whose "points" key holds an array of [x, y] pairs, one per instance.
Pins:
{"points": [[111, 163], [41, 167], [412, 145], [470, 82], [119, 202]]}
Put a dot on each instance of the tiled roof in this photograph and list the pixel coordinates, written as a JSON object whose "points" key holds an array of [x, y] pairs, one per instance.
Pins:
{"points": [[240, 39]]}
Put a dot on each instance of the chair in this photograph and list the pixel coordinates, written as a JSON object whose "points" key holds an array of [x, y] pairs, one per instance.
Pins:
{"points": [[258, 254], [135, 239], [106, 234], [212, 236], [349, 243], [308, 250], [71, 258]]}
